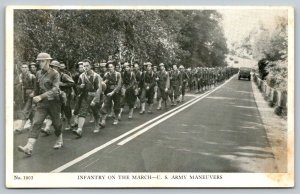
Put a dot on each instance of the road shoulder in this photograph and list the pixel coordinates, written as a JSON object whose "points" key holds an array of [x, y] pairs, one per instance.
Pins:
{"points": [[276, 129]]}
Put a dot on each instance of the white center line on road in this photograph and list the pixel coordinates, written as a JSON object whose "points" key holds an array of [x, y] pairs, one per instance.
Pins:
{"points": [[82, 157], [170, 115], [95, 150]]}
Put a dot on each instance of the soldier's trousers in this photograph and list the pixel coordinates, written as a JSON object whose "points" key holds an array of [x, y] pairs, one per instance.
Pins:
{"points": [[161, 93], [26, 111], [174, 92], [44, 108], [77, 105], [147, 95], [66, 109], [129, 98], [183, 88], [85, 107], [107, 104]]}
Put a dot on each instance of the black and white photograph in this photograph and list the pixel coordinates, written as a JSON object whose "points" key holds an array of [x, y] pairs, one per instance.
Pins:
{"points": [[149, 96]]}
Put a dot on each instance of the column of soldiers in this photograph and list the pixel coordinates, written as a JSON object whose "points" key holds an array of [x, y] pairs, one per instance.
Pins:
{"points": [[99, 89]]}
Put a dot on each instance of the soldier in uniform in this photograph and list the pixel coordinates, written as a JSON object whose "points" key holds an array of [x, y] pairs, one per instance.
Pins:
{"points": [[66, 85], [112, 94], [27, 83], [148, 83], [33, 68], [184, 78], [79, 71], [46, 96], [128, 86], [90, 88], [163, 83], [138, 76], [175, 85]]}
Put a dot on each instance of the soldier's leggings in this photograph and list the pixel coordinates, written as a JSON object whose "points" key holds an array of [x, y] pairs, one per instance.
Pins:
{"points": [[107, 104], [130, 98], [85, 107], [161, 93], [174, 92], [147, 95], [44, 108]]}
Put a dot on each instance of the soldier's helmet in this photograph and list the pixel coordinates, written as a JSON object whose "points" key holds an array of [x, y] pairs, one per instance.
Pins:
{"points": [[55, 63], [161, 64], [43, 56]]}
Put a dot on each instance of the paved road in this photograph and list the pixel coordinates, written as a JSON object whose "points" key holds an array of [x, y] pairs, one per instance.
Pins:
{"points": [[220, 131]]}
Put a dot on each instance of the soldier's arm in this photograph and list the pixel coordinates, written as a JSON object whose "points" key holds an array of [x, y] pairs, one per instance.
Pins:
{"points": [[55, 88], [168, 80], [119, 84], [99, 90], [133, 81]]}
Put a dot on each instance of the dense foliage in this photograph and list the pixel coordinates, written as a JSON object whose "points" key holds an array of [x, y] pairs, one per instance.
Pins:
{"points": [[187, 37]]}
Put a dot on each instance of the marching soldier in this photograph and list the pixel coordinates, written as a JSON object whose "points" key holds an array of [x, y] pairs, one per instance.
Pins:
{"points": [[175, 85], [46, 96], [138, 76], [90, 88], [77, 91], [184, 77], [66, 85], [27, 83], [148, 83], [33, 68], [112, 94], [163, 83], [128, 85]]}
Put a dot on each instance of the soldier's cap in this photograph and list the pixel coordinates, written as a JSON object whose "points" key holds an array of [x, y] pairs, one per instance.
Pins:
{"points": [[62, 66], [148, 63], [102, 64], [110, 62], [161, 64], [79, 63], [32, 63], [126, 64], [43, 56], [96, 65], [181, 67], [87, 61], [55, 63]]}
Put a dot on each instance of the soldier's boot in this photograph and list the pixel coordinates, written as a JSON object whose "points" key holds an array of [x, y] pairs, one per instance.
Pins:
{"points": [[120, 114], [78, 131], [130, 114], [159, 105], [59, 142], [96, 126], [21, 129], [28, 148], [103, 121], [116, 121], [46, 130], [150, 108], [75, 124], [166, 104], [92, 119], [143, 108]]}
